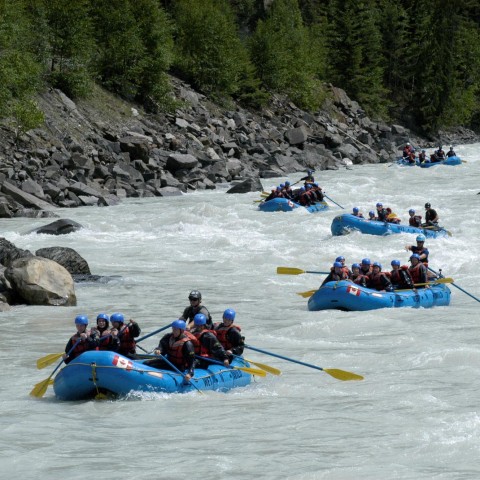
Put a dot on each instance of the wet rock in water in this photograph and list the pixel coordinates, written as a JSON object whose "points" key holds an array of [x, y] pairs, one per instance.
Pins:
{"points": [[248, 185], [68, 258], [59, 227]]}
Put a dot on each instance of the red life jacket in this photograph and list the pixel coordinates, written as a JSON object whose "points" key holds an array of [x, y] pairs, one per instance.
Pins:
{"points": [[127, 342], [360, 279], [221, 331], [418, 273], [81, 347], [175, 350], [199, 348], [105, 339], [375, 281], [415, 221]]}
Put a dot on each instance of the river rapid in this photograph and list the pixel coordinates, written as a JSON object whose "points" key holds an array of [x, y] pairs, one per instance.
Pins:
{"points": [[415, 416]]}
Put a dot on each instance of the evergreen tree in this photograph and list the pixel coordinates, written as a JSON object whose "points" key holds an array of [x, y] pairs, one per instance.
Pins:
{"points": [[355, 53], [210, 55], [70, 45], [19, 72], [285, 54]]}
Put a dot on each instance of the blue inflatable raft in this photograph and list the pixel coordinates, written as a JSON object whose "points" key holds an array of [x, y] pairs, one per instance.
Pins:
{"points": [[346, 223], [452, 161], [348, 296], [285, 205], [107, 372]]}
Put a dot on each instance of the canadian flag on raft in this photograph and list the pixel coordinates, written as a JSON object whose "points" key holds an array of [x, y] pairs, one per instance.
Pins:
{"points": [[290, 204], [353, 290], [122, 362]]}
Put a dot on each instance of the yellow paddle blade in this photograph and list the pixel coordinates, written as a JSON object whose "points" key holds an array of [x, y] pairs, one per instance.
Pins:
{"points": [[342, 374], [40, 388], [267, 368], [289, 271], [252, 371], [48, 360], [307, 294]]}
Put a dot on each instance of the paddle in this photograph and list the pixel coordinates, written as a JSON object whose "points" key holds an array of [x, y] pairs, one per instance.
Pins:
{"points": [[309, 293], [188, 382], [267, 368], [333, 201], [153, 333], [296, 271], [455, 285], [438, 229], [48, 360], [251, 371], [41, 387], [334, 372]]}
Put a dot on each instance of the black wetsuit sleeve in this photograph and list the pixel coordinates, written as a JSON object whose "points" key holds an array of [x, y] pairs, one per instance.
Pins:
{"points": [[163, 344], [185, 314], [189, 356], [211, 343], [329, 278], [235, 338], [134, 329]]}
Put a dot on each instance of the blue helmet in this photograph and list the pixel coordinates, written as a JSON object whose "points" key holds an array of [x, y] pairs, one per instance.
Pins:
{"points": [[371, 213], [282, 185], [229, 314], [179, 324], [355, 209], [278, 188], [411, 211], [420, 238], [315, 184], [103, 316], [302, 189], [366, 261], [355, 265], [287, 183], [117, 317], [340, 259], [379, 204], [395, 262], [377, 264], [81, 320], [199, 319], [415, 255], [338, 264]]}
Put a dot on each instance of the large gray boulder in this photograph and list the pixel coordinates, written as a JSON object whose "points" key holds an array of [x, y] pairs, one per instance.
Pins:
{"points": [[9, 252], [67, 258], [248, 185], [40, 281]]}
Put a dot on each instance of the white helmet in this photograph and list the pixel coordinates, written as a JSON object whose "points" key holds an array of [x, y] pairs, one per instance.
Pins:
{"points": [[408, 144]]}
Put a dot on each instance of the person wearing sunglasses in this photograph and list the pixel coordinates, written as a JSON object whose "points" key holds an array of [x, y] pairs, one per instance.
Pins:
{"points": [[195, 307]]}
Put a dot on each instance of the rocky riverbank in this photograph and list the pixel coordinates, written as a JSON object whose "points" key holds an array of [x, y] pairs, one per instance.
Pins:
{"points": [[99, 151]]}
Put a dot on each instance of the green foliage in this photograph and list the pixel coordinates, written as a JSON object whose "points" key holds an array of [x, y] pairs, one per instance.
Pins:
{"points": [[356, 59], [135, 49], [70, 45], [283, 51], [210, 55], [19, 72]]}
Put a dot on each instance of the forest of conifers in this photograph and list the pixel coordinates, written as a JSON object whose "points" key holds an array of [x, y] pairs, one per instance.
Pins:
{"points": [[411, 60]]}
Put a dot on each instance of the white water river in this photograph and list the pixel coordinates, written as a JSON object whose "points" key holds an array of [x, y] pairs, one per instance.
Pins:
{"points": [[415, 416]]}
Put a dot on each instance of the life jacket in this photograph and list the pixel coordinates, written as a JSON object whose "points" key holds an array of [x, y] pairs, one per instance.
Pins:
{"points": [[421, 251], [392, 218], [375, 281], [400, 278], [317, 193], [222, 334], [360, 279], [105, 339], [418, 273], [305, 199], [382, 215], [175, 350], [81, 347], [411, 157], [422, 156], [199, 348], [415, 221], [127, 342]]}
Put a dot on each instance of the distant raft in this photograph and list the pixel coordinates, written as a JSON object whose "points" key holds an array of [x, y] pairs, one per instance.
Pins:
{"points": [[286, 205], [347, 296], [451, 161], [104, 372], [346, 223]]}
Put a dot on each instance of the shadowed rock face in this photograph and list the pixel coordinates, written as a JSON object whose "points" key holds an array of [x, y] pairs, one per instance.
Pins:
{"points": [[9, 252], [63, 226], [40, 281], [67, 258]]}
